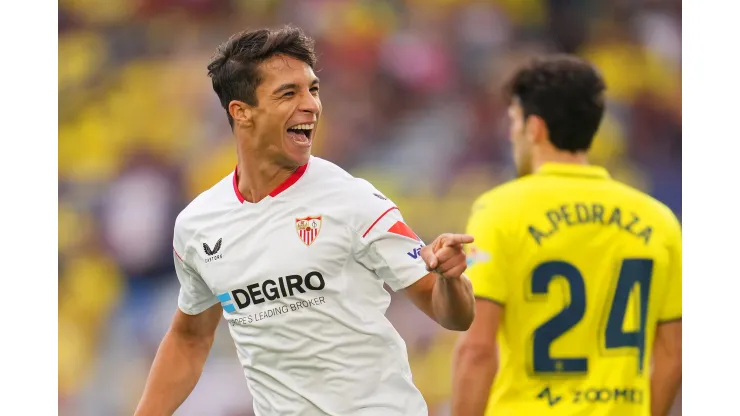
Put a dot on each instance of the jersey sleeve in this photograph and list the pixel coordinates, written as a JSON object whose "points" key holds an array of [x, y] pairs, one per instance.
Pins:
{"points": [[195, 296], [385, 244], [486, 256], [672, 306]]}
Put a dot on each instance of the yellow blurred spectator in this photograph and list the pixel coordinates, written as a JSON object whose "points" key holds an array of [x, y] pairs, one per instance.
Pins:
{"points": [[87, 150], [369, 19], [76, 354], [89, 290], [101, 11], [81, 54], [148, 109], [210, 168], [74, 227], [630, 69], [520, 12], [524, 12], [90, 287]]}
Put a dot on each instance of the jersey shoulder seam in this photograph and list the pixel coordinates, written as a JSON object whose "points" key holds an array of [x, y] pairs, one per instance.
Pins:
{"points": [[197, 230]]}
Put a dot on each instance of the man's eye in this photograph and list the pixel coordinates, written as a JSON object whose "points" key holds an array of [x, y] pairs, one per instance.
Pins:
{"points": [[315, 90], [289, 94]]}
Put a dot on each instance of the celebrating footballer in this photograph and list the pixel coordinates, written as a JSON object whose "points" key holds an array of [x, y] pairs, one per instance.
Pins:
{"points": [[294, 253]]}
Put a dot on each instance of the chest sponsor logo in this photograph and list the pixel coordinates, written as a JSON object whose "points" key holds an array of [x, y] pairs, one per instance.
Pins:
{"points": [[308, 228], [271, 289]]}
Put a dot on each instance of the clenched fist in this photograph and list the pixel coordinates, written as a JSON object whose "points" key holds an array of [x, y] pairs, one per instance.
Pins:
{"points": [[445, 255]]}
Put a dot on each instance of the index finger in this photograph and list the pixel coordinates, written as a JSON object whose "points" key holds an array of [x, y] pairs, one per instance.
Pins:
{"points": [[455, 239]]}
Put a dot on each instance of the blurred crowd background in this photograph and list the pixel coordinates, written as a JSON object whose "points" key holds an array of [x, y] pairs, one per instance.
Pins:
{"points": [[411, 95]]}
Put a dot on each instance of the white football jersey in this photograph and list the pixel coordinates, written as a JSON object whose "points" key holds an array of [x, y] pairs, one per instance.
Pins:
{"points": [[300, 278]]}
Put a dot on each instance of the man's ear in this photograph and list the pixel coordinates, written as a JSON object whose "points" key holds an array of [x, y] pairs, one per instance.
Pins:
{"points": [[535, 129], [240, 112]]}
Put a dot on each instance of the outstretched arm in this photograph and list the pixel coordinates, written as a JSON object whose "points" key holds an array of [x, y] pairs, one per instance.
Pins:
{"points": [[445, 294]]}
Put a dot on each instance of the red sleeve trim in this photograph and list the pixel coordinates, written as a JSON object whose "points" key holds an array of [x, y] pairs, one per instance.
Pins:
{"points": [[379, 218], [178, 255]]}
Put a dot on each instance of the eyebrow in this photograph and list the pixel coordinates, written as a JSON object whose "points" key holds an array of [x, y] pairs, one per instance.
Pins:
{"points": [[292, 85]]}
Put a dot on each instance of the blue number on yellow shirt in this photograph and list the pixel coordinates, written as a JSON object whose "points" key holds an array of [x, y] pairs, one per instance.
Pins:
{"points": [[560, 323], [633, 272]]}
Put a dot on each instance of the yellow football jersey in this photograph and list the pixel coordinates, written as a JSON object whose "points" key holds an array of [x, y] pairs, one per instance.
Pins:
{"points": [[585, 267]]}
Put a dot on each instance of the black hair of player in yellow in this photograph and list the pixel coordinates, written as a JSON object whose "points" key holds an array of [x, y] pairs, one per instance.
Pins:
{"points": [[567, 93]]}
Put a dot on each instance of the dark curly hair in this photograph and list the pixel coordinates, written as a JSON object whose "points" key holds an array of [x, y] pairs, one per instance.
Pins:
{"points": [[567, 93], [234, 70]]}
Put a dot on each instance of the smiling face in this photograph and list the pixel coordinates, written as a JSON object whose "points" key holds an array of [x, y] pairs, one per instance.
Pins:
{"points": [[283, 123]]}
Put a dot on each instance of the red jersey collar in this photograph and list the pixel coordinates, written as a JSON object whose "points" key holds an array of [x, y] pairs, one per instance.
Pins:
{"points": [[292, 179]]}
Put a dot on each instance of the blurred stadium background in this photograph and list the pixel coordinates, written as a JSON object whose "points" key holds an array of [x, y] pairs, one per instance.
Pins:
{"points": [[411, 102]]}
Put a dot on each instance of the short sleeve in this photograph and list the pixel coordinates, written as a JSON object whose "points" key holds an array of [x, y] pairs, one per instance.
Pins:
{"points": [[195, 296], [486, 257], [672, 307], [386, 245]]}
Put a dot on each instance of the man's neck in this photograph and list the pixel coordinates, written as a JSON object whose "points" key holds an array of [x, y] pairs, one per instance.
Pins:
{"points": [[579, 158], [257, 177]]}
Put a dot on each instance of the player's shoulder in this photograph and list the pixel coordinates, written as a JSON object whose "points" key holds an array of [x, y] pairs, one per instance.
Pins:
{"points": [[504, 199], [354, 199], [506, 191], [646, 204], [209, 204], [322, 172], [346, 189]]}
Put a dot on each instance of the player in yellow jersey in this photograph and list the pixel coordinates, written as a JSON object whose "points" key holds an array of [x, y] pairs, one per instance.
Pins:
{"points": [[577, 276]]}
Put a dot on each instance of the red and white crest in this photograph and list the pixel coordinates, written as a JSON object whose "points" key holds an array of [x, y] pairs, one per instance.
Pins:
{"points": [[308, 229]]}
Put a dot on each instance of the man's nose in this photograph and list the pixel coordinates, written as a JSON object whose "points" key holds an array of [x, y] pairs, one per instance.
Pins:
{"points": [[310, 104]]}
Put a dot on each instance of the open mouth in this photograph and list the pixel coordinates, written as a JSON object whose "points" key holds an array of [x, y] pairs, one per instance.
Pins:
{"points": [[301, 133]]}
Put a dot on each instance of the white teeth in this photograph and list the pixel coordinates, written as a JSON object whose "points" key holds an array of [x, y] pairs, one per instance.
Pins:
{"points": [[302, 127]]}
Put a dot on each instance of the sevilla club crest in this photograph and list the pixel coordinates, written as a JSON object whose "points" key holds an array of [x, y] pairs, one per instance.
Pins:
{"points": [[308, 229]]}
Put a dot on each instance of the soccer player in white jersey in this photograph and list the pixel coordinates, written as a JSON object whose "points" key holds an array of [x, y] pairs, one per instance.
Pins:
{"points": [[293, 252]]}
